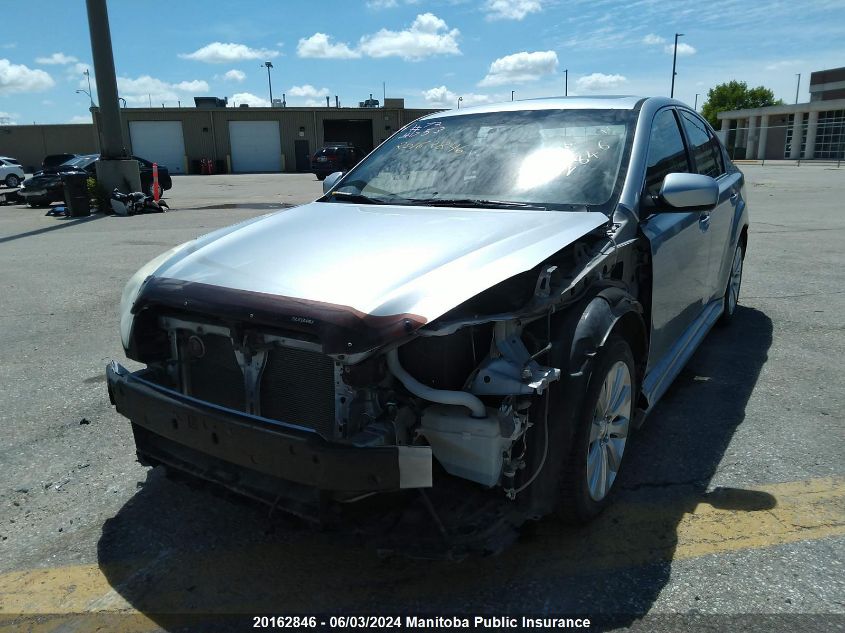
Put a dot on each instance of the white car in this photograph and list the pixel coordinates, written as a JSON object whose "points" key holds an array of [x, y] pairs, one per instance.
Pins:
{"points": [[11, 172]]}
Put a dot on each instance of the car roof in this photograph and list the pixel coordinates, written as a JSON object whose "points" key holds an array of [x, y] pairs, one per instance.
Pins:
{"points": [[599, 102]]}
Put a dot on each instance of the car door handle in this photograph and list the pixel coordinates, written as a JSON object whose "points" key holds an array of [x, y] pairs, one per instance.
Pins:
{"points": [[734, 196], [704, 221]]}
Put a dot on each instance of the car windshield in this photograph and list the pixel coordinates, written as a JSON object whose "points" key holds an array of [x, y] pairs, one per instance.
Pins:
{"points": [[554, 159], [80, 161]]}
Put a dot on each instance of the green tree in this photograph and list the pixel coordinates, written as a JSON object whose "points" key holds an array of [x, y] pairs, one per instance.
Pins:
{"points": [[735, 95]]}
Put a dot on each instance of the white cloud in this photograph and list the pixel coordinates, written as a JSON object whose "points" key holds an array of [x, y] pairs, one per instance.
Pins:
{"points": [[653, 40], [320, 47], [511, 9], [234, 75], [144, 89], [8, 118], [785, 64], [683, 49], [248, 98], [308, 91], [428, 35], [20, 78], [56, 59], [80, 118], [442, 97], [387, 4], [520, 67], [599, 82], [226, 53]]}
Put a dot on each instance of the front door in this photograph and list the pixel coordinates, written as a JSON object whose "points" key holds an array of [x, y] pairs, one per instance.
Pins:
{"points": [[679, 244], [303, 160]]}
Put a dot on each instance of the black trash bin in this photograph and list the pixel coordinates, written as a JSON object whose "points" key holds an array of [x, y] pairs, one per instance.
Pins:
{"points": [[76, 194]]}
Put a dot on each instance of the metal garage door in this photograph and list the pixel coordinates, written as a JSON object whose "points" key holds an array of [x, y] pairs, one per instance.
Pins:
{"points": [[159, 142], [256, 146]]}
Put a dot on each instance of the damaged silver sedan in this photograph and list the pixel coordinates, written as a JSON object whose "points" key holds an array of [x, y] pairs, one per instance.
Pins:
{"points": [[466, 327]]}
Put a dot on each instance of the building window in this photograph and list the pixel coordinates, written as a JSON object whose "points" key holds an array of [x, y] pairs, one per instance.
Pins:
{"points": [[787, 148], [830, 135]]}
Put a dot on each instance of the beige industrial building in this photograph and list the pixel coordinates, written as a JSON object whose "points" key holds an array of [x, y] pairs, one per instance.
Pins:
{"points": [[236, 140], [812, 130]]}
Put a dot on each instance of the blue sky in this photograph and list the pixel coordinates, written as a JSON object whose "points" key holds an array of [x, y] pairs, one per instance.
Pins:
{"points": [[429, 52]]}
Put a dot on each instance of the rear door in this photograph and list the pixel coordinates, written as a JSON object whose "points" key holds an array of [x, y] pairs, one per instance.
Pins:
{"points": [[707, 159], [679, 244]]}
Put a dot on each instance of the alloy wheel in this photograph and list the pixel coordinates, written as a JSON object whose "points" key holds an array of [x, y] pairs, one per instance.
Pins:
{"points": [[609, 430]]}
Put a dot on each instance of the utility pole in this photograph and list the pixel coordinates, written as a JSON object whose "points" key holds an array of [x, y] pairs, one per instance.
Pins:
{"points": [[116, 168], [269, 65], [798, 87], [566, 83], [695, 107], [674, 62]]}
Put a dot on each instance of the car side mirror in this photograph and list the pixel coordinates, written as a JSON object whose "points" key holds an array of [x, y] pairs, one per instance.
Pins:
{"points": [[331, 180], [684, 192]]}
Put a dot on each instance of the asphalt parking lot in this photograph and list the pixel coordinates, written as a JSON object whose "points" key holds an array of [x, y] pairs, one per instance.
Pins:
{"points": [[732, 500]]}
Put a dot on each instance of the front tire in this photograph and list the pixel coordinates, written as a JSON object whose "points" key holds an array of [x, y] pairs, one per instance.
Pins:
{"points": [[12, 181], [603, 423]]}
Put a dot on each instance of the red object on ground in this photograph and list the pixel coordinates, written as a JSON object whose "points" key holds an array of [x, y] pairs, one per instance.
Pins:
{"points": [[210, 166], [156, 187]]}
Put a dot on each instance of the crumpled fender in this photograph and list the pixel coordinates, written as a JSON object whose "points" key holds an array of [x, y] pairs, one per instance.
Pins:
{"points": [[597, 321]]}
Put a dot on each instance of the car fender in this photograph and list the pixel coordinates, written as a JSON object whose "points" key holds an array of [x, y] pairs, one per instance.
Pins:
{"points": [[601, 316]]}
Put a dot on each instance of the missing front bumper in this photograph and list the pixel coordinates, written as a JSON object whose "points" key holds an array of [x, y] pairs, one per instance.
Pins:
{"points": [[202, 433]]}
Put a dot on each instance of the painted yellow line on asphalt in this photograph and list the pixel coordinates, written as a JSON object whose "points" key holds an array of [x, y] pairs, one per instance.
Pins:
{"points": [[290, 576]]}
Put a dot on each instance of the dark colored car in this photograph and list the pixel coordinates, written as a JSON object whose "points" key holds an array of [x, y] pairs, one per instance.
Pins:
{"points": [[46, 185], [334, 157], [54, 160]]}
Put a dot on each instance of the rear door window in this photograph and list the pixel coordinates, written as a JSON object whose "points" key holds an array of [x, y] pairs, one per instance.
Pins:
{"points": [[703, 146], [667, 153]]}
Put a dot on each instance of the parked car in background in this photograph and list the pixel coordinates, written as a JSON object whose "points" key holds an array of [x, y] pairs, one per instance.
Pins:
{"points": [[334, 157], [54, 160], [11, 172], [45, 186], [487, 307]]}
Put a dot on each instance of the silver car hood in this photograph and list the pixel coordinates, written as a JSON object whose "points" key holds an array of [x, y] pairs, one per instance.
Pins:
{"points": [[378, 259]]}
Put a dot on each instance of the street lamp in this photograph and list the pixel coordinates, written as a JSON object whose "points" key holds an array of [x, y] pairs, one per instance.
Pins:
{"points": [[87, 92], [83, 91], [695, 107], [798, 86], [459, 102], [122, 100], [674, 60], [269, 65], [512, 91], [566, 83]]}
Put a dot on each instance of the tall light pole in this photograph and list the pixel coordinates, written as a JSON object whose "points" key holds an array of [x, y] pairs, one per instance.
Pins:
{"points": [[87, 74], [695, 107], [566, 83], [798, 87], [512, 93], [269, 65], [459, 102], [674, 61]]}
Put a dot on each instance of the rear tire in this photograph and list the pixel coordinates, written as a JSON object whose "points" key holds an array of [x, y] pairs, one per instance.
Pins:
{"points": [[731, 298], [602, 425]]}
